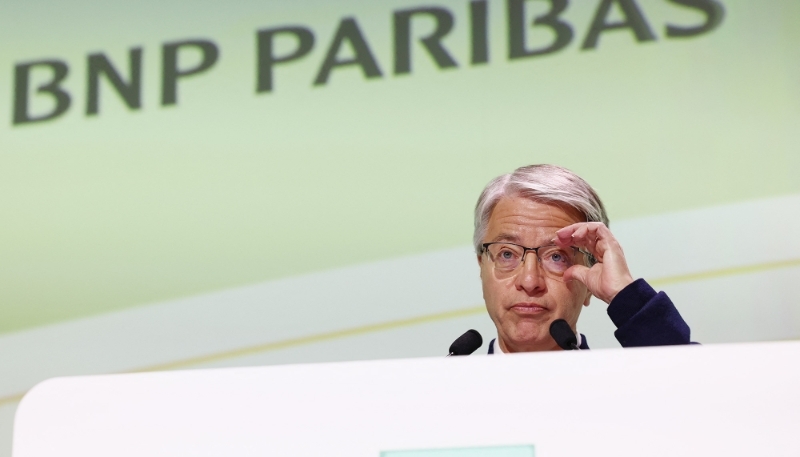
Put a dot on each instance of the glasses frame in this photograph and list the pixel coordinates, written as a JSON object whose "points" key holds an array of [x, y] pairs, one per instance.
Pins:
{"points": [[485, 249]]}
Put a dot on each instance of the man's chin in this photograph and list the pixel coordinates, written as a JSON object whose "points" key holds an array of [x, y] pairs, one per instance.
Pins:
{"points": [[529, 341]]}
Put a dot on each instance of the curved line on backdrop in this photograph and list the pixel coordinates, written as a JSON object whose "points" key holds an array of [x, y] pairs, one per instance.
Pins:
{"points": [[292, 342]]}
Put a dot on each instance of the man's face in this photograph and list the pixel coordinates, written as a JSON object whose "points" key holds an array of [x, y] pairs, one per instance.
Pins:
{"points": [[524, 303]]}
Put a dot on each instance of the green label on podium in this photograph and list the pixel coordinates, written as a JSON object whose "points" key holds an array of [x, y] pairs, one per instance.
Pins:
{"points": [[495, 451]]}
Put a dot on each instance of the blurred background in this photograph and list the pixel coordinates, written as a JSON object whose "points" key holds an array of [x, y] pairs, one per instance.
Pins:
{"points": [[204, 184]]}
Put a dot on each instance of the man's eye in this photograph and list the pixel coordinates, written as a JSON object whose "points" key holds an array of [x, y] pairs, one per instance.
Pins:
{"points": [[558, 257], [507, 255], [506, 258]]}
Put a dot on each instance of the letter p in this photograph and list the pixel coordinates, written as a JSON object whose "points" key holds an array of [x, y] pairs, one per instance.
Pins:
{"points": [[169, 88], [266, 54]]}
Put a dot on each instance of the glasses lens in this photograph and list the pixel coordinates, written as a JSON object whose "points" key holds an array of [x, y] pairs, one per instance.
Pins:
{"points": [[556, 260], [506, 257]]}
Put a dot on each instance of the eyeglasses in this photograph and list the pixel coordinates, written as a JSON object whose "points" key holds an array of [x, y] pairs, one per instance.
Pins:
{"points": [[507, 257]]}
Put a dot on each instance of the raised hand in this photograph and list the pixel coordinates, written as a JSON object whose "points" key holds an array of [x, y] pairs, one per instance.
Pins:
{"points": [[610, 274]]}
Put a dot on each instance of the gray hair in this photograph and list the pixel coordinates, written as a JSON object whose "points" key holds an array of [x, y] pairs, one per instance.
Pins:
{"points": [[543, 183]]}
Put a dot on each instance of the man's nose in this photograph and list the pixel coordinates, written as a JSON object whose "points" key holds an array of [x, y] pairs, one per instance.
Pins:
{"points": [[530, 276]]}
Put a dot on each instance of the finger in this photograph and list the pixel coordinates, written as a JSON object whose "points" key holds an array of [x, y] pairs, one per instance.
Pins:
{"points": [[564, 236], [606, 243], [586, 237], [594, 237], [577, 272]]}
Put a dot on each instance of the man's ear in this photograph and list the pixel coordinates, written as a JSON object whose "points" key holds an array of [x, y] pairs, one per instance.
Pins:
{"points": [[588, 297]]}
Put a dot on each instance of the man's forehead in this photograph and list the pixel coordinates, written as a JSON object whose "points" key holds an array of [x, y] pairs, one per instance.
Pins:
{"points": [[524, 212]]}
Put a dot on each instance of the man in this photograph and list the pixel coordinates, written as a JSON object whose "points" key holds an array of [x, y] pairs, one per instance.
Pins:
{"points": [[544, 249]]}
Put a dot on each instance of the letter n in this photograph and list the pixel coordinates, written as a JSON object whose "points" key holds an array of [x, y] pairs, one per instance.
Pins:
{"points": [[130, 92]]}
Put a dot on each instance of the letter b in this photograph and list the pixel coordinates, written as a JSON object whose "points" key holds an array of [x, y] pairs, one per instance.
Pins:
{"points": [[21, 91]]}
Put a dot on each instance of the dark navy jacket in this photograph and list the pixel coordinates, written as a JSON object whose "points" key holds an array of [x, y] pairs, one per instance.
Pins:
{"points": [[643, 317]]}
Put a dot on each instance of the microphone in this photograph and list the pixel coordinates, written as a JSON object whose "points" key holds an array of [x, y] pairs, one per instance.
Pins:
{"points": [[563, 334], [466, 344]]}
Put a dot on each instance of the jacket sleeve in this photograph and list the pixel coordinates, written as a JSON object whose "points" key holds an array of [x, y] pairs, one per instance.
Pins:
{"points": [[645, 317]]}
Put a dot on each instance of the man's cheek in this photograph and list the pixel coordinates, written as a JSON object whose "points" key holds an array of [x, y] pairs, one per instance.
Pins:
{"points": [[576, 290]]}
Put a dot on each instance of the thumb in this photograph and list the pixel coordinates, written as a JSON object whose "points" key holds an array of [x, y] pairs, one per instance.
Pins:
{"points": [[579, 272]]}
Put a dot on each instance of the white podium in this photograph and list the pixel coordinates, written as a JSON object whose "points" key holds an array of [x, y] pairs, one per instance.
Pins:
{"points": [[731, 400]]}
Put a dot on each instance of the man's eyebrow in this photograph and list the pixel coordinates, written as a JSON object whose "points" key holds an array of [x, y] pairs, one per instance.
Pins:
{"points": [[507, 237]]}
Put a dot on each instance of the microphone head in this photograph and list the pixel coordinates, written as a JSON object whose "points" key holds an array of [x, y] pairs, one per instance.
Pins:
{"points": [[467, 343], [563, 334]]}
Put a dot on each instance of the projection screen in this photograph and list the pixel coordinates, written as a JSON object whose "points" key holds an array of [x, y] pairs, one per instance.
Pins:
{"points": [[188, 185]]}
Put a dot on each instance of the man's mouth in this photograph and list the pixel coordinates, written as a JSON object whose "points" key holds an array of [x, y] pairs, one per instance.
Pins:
{"points": [[528, 308]]}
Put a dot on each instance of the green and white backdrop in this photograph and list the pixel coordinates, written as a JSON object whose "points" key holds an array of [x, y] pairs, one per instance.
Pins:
{"points": [[207, 184]]}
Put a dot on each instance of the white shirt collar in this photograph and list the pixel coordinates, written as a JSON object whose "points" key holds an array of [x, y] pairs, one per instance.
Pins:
{"points": [[496, 344]]}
